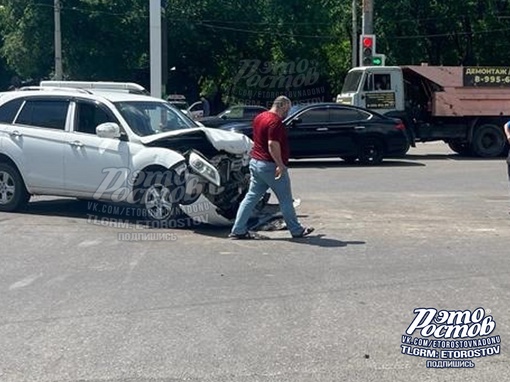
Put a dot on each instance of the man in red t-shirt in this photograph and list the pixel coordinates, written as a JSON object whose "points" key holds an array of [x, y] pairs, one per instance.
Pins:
{"points": [[268, 169]]}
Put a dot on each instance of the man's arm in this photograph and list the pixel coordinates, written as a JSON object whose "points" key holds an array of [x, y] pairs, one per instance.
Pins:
{"points": [[276, 153], [507, 131]]}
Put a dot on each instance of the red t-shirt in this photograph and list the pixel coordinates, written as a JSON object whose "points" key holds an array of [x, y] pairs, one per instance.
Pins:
{"points": [[267, 127]]}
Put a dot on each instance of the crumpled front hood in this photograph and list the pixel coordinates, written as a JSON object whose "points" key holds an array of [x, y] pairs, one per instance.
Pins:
{"points": [[228, 141]]}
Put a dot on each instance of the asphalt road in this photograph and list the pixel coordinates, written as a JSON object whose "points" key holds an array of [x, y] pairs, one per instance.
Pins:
{"points": [[81, 301]]}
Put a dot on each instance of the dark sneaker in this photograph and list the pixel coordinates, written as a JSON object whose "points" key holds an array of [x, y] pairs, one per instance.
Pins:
{"points": [[306, 231], [242, 236]]}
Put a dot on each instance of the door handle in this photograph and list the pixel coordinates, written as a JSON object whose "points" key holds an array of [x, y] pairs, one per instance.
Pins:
{"points": [[15, 133], [76, 144], [322, 129], [359, 127]]}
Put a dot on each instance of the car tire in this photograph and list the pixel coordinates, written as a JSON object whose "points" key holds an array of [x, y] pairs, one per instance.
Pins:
{"points": [[371, 152], [13, 193], [158, 200], [488, 141]]}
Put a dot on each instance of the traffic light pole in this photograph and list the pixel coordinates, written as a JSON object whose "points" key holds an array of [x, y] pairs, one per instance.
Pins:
{"points": [[58, 42], [354, 33], [368, 17], [155, 48]]}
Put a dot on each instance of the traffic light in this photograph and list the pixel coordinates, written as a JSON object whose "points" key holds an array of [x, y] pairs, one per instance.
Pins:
{"points": [[367, 49], [378, 59]]}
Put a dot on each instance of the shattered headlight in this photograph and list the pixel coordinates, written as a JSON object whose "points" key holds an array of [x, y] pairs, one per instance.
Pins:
{"points": [[204, 168], [246, 159]]}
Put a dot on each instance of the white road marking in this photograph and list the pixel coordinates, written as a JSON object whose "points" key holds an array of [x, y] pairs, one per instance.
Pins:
{"points": [[89, 243], [25, 282]]}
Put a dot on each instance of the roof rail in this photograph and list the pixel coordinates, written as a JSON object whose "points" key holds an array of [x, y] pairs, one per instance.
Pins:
{"points": [[27, 88], [130, 87]]}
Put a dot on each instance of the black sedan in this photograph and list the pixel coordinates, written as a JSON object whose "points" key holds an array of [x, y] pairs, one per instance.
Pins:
{"points": [[234, 114], [333, 130]]}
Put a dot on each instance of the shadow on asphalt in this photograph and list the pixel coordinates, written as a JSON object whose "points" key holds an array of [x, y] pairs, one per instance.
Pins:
{"points": [[456, 157], [318, 240], [323, 164], [102, 213], [410, 160]]}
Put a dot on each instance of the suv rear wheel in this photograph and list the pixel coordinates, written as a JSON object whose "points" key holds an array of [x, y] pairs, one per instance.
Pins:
{"points": [[13, 193]]}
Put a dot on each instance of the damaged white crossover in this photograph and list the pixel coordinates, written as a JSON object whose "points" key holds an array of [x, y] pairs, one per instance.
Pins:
{"points": [[116, 146]]}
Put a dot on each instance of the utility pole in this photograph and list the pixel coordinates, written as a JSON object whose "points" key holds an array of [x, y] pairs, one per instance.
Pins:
{"points": [[58, 42], [368, 17], [155, 48], [354, 55]]}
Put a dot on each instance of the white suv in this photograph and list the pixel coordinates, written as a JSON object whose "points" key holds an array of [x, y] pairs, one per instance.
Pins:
{"points": [[115, 146]]}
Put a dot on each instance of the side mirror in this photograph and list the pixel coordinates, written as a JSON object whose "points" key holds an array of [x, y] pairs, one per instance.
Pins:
{"points": [[108, 130], [224, 116]]}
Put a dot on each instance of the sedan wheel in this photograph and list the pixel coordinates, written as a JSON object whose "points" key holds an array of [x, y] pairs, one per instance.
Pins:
{"points": [[13, 194], [372, 152]]}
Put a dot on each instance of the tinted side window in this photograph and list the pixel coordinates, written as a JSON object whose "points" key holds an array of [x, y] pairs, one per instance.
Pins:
{"points": [[9, 110], [44, 113], [89, 116], [346, 115], [315, 116], [252, 113], [235, 112]]}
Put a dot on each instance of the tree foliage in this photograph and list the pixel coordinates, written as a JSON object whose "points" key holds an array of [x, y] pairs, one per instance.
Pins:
{"points": [[244, 50]]}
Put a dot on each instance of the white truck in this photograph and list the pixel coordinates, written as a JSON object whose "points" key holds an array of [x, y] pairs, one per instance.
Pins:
{"points": [[466, 107]]}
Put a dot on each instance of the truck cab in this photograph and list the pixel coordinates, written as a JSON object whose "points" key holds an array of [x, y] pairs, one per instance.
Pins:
{"points": [[465, 107], [379, 88]]}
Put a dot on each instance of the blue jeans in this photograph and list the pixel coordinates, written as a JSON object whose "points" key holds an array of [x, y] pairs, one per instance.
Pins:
{"points": [[262, 178]]}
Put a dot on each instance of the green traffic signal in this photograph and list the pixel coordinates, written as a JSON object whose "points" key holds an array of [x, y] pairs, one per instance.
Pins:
{"points": [[376, 61]]}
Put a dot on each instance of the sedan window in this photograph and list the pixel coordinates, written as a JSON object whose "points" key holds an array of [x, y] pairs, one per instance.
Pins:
{"points": [[50, 114], [252, 113], [347, 115], [315, 116]]}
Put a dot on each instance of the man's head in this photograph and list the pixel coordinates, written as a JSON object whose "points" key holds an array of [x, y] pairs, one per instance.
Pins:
{"points": [[281, 106]]}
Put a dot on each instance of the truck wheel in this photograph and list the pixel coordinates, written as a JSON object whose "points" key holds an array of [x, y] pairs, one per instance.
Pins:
{"points": [[13, 193], [460, 147], [488, 141], [372, 152]]}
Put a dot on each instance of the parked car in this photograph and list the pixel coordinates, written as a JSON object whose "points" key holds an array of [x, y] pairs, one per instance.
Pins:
{"points": [[196, 110], [179, 101], [233, 114], [332, 130], [68, 141]]}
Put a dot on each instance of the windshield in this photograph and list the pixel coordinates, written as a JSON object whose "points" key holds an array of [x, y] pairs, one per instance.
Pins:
{"points": [[147, 118], [352, 81]]}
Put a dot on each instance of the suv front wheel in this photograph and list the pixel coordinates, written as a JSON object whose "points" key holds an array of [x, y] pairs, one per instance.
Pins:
{"points": [[13, 193]]}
